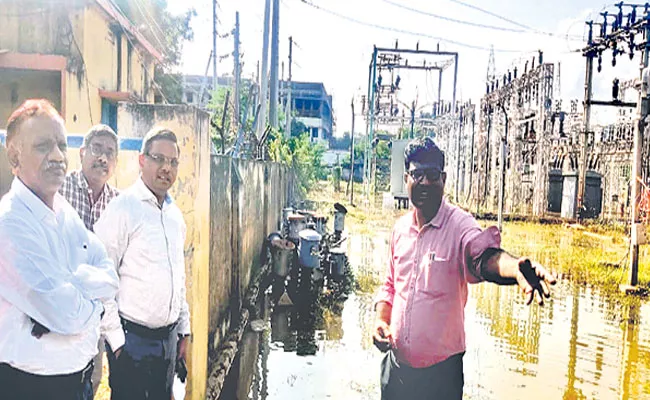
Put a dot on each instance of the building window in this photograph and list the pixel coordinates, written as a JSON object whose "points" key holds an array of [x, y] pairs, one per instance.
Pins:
{"points": [[314, 133], [190, 97]]}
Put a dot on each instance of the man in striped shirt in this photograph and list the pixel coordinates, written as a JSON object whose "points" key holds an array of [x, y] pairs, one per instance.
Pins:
{"points": [[88, 191]]}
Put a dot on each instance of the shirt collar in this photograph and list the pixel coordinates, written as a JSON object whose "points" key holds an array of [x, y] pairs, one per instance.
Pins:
{"points": [[438, 220], [33, 202], [145, 194], [81, 179]]}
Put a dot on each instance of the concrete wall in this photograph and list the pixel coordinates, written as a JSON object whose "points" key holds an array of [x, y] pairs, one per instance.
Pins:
{"points": [[246, 204], [192, 194], [80, 32], [16, 86]]}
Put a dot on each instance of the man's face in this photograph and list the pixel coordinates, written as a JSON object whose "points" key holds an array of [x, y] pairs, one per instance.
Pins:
{"points": [[98, 159], [38, 155], [425, 183], [160, 166]]}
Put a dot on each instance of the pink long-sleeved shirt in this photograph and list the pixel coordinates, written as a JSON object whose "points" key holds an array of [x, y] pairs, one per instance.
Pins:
{"points": [[426, 283]]}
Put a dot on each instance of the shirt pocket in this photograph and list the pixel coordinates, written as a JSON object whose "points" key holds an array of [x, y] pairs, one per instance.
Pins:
{"points": [[439, 276]]}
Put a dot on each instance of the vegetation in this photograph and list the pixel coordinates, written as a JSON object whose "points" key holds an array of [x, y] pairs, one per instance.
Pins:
{"points": [[303, 156]]}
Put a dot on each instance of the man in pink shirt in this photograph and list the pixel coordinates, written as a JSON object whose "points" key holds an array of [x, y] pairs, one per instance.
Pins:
{"points": [[435, 250]]}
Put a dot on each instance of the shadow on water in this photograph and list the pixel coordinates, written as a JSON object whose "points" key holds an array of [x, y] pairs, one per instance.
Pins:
{"points": [[583, 344]]}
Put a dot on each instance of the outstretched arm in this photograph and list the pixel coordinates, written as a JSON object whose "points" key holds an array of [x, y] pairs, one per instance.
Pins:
{"points": [[504, 269]]}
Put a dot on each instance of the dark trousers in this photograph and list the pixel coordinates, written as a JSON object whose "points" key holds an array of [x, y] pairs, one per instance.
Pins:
{"points": [[146, 366], [442, 381], [20, 385]]}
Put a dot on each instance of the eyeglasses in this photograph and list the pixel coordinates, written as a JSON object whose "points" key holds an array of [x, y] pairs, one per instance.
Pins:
{"points": [[162, 160], [432, 174], [98, 151]]}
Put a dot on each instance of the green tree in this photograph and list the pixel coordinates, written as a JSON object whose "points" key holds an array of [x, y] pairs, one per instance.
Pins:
{"points": [[303, 156]]}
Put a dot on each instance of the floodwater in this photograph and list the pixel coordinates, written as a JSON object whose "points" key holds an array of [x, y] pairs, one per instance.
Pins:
{"points": [[583, 344]]}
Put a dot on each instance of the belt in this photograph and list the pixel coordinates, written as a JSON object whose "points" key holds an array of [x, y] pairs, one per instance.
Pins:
{"points": [[148, 333], [74, 378]]}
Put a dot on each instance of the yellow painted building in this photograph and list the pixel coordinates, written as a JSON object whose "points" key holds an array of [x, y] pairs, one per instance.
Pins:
{"points": [[82, 55]]}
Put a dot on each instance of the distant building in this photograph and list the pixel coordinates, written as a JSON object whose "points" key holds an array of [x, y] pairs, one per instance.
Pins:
{"points": [[83, 56], [195, 86], [312, 106]]}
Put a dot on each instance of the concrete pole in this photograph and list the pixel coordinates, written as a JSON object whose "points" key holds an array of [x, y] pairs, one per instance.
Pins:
{"points": [[351, 185], [502, 183], [275, 64], [289, 105], [264, 85], [371, 109], [589, 74], [642, 113], [215, 59], [460, 130], [471, 157], [237, 102]]}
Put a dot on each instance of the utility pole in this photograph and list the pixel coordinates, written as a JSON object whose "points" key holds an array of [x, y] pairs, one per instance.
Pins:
{"points": [[214, 46], [275, 64], [589, 75], [237, 109], [460, 130], [471, 148], [289, 105], [412, 120], [351, 184], [642, 113], [261, 125], [502, 183]]}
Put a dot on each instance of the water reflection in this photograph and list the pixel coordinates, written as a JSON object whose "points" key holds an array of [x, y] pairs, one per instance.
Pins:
{"points": [[584, 344]]}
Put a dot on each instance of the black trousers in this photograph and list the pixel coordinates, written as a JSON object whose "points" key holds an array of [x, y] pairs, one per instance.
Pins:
{"points": [[20, 385], [442, 381], [146, 366]]}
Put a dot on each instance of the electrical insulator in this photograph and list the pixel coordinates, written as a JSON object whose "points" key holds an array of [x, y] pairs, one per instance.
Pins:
{"points": [[614, 58], [603, 26], [600, 62], [619, 18], [631, 46], [615, 89], [515, 72], [631, 20], [509, 77], [397, 81], [379, 79], [487, 88], [541, 57]]}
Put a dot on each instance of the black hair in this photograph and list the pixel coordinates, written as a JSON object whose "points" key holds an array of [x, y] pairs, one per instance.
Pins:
{"points": [[423, 149]]}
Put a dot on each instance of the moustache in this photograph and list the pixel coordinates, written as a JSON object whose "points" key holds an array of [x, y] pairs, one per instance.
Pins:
{"points": [[54, 166]]}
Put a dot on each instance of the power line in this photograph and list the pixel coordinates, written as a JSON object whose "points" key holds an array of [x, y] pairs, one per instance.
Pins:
{"points": [[458, 21], [495, 15], [147, 16], [406, 32]]}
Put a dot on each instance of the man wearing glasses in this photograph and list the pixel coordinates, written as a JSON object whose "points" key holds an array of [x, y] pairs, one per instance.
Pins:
{"points": [[435, 251], [147, 329], [88, 191]]}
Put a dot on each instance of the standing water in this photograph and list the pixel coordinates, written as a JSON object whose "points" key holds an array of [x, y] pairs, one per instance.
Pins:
{"points": [[583, 344]]}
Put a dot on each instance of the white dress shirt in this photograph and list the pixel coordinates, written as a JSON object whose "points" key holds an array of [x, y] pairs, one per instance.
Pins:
{"points": [[146, 243], [52, 269]]}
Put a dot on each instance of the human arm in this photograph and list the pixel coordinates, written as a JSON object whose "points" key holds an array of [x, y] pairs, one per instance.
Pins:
{"points": [[32, 281], [504, 269], [112, 229], [184, 327], [382, 337]]}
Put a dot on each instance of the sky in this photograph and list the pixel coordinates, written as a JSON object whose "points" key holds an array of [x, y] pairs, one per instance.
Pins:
{"points": [[332, 49]]}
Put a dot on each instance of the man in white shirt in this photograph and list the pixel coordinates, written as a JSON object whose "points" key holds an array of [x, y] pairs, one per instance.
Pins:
{"points": [[144, 233], [54, 273], [88, 192]]}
